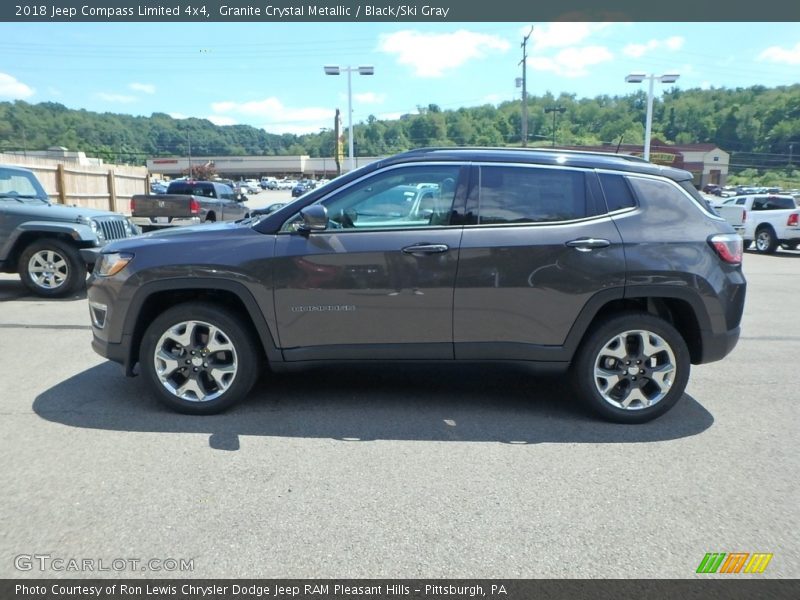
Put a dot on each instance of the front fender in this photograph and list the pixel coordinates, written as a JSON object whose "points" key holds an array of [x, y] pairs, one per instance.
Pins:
{"points": [[81, 234]]}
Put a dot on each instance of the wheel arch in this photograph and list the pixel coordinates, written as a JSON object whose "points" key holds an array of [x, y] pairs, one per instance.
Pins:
{"points": [[156, 297], [681, 310]]}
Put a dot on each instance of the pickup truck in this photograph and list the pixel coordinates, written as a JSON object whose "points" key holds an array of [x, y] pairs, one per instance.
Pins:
{"points": [[188, 203], [769, 220]]}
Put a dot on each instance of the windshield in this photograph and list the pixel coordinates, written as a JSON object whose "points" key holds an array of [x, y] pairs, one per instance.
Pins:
{"points": [[20, 186]]}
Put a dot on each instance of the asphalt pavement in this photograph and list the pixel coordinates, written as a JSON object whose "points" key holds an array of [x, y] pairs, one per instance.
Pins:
{"points": [[422, 472]]}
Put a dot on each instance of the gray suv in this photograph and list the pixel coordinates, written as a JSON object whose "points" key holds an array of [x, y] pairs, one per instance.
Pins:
{"points": [[50, 245], [602, 266]]}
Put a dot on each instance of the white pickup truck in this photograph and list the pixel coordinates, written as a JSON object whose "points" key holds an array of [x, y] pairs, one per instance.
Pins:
{"points": [[769, 220]]}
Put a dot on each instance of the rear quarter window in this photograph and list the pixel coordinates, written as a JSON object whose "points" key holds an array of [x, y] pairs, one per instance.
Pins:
{"points": [[617, 192], [661, 192]]}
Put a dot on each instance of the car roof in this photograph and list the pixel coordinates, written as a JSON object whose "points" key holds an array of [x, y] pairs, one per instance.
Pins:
{"points": [[541, 156]]}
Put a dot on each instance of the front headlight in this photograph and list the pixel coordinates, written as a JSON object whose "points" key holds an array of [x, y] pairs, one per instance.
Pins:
{"points": [[97, 230], [109, 265], [130, 228]]}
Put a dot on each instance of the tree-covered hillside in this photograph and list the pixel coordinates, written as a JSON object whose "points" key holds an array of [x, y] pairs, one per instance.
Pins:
{"points": [[760, 126]]}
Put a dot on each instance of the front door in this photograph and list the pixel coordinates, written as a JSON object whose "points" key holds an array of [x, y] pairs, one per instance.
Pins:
{"points": [[378, 283]]}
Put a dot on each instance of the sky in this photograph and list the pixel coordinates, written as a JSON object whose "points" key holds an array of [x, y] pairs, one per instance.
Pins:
{"points": [[271, 75]]}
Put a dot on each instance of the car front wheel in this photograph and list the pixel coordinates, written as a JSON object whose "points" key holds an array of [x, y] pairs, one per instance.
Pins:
{"points": [[199, 358], [51, 268], [632, 368], [766, 242]]}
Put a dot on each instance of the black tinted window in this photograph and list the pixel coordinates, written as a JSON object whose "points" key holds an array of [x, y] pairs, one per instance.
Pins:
{"points": [[773, 203], [531, 195], [617, 192], [657, 191], [194, 189]]}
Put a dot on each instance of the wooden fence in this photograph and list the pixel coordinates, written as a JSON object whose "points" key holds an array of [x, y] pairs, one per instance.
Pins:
{"points": [[107, 187]]}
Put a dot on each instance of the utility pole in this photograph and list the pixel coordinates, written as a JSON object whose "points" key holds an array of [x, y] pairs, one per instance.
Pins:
{"points": [[189, 143], [523, 62], [337, 144]]}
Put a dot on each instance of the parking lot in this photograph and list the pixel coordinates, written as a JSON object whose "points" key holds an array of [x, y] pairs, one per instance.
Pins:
{"points": [[425, 472]]}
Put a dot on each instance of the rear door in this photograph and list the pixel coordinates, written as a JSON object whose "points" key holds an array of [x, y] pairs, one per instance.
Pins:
{"points": [[378, 283], [537, 247]]}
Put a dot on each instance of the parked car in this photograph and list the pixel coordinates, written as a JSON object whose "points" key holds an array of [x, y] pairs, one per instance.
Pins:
{"points": [[188, 202], [600, 266], [769, 220], [712, 188], [50, 245], [299, 190]]}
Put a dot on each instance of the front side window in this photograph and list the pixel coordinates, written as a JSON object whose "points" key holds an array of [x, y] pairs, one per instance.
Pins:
{"points": [[509, 194], [395, 199]]}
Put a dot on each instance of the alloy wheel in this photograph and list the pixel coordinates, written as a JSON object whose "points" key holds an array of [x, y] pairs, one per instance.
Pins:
{"points": [[634, 370], [48, 269], [195, 361]]}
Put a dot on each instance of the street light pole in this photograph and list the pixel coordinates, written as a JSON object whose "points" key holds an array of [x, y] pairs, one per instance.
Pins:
{"points": [[336, 70], [639, 78], [555, 110]]}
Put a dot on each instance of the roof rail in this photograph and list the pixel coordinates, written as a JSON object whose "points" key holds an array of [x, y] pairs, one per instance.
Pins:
{"points": [[627, 157]]}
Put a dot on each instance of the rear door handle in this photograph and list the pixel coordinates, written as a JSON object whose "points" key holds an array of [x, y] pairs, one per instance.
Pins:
{"points": [[426, 249], [588, 244]]}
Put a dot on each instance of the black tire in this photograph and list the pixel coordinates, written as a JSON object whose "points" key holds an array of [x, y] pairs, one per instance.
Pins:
{"points": [[766, 240], [604, 340], [51, 268], [746, 244], [243, 356]]}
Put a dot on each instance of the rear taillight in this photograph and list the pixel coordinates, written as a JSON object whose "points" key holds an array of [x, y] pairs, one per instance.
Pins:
{"points": [[793, 220], [744, 216], [728, 247], [194, 206], [133, 205]]}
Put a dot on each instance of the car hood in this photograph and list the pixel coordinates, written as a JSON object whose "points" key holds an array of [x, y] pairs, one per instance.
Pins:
{"points": [[195, 235], [54, 212]]}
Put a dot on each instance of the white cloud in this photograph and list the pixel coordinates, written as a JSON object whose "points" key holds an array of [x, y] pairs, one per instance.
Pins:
{"points": [[369, 98], [10, 87], [777, 54], [275, 117], [120, 98], [559, 35], [672, 44], [177, 115], [572, 62], [145, 88], [430, 54]]}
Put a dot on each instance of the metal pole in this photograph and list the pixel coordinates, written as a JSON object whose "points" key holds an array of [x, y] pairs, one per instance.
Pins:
{"points": [[555, 111], [525, 89], [649, 121], [350, 114]]}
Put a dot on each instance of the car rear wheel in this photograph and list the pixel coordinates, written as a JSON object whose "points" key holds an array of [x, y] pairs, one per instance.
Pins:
{"points": [[632, 368], [51, 268], [766, 242], [199, 358]]}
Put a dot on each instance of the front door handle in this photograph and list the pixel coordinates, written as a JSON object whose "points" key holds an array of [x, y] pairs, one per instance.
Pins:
{"points": [[588, 244], [426, 249]]}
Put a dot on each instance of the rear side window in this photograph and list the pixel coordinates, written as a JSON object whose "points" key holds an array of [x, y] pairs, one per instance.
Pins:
{"points": [[617, 192], [531, 195], [656, 191]]}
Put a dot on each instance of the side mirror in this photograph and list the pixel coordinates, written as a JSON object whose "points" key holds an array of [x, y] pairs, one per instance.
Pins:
{"points": [[315, 218]]}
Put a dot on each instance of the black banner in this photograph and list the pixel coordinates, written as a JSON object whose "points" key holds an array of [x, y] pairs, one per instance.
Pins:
{"points": [[733, 588], [274, 11]]}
